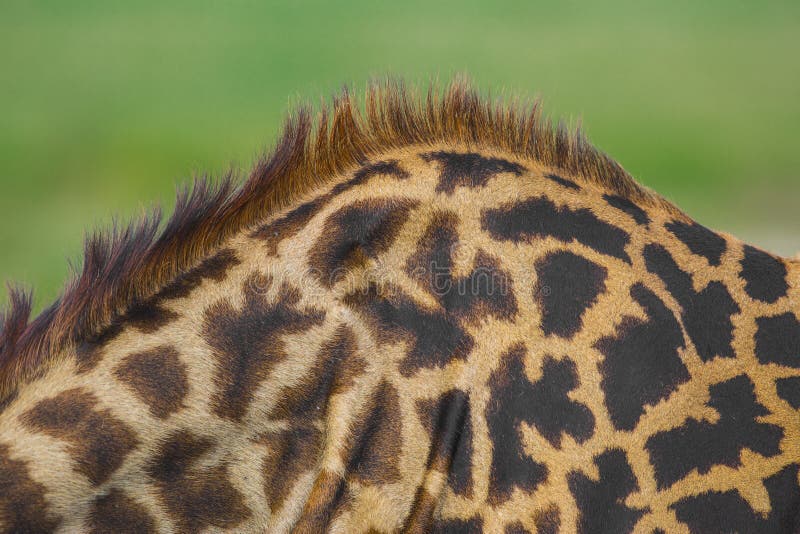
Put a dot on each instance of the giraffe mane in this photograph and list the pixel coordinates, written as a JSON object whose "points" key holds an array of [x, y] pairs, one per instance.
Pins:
{"points": [[127, 265]]}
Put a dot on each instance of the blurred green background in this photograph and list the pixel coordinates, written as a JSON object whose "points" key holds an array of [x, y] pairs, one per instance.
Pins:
{"points": [[105, 106]]}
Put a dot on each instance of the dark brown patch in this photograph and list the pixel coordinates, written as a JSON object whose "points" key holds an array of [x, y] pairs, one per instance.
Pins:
{"points": [[551, 410], [97, 441], [23, 507], [421, 515], [247, 343], [706, 314], [290, 224], [373, 446], [625, 205], [336, 366], [642, 363], [291, 453], [473, 525], [149, 316], [601, 503], [487, 290], [436, 338], [778, 340], [325, 502], [560, 180], [700, 240], [509, 406], [547, 521], [516, 528], [157, 377], [468, 169], [539, 217], [543, 404], [89, 352], [196, 497], [356, 233], [214, 268], [764, 274], [449, 425], [567, 285], [789, 390], [116, 512]]}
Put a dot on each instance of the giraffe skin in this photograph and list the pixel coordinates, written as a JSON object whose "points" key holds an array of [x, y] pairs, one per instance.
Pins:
{"points": [[449, 338]]}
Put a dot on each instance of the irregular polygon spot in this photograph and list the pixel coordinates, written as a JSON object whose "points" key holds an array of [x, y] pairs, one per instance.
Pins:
{"points": [[97, 441], [195, 497], [432, 262], [215, 268], [641, 365], [601, 503], [247, 343], [118, 513], [706, 315], [544, 404], [700, 240], [149, 316], [551, 411], [567, 285], [291, 453], [88, 352], [539, 217], [789, 390], [717, 511], [355, 233], [435, 338], [23, 506], [764, 275], [290, 224], [547, 521], [386, 168], [487, 290], [468, 169], [569, 184], [701, 444], [327, 499], [420, 518], [516, 528], [449, 425], [371, 452], [473, 525], [778, 340], [626, 205], [509, 406], [157, 377]]}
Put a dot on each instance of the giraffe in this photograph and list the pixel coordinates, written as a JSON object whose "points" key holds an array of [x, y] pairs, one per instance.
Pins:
{"points": [[439, 314]]}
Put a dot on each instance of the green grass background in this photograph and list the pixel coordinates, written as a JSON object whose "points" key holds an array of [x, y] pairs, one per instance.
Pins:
{"points": [[106, 105]]}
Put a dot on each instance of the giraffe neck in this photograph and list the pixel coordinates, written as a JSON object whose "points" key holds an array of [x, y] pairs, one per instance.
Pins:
{"points": [[443, 338]]}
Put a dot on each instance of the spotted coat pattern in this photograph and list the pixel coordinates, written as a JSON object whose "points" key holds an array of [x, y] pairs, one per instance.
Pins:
{"points": [[443, 340]]}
